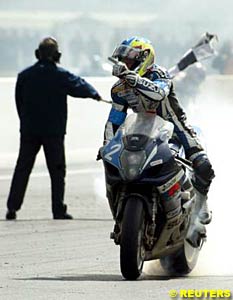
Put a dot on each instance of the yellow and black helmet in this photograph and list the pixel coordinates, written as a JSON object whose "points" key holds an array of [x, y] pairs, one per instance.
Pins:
{"points": [[138, 49]]}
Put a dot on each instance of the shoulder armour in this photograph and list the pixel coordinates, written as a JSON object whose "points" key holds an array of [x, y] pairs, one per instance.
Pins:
{"points": [[160, 72]]}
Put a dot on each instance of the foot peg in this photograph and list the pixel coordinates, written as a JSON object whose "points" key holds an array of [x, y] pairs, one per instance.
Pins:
{"points": [[115, 235]]}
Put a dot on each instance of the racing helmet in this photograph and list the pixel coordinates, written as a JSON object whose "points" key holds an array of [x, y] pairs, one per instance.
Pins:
{"points": [[138, 50]]}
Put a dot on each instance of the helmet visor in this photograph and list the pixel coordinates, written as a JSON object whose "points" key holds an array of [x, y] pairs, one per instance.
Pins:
{"points": [[124, 51]]}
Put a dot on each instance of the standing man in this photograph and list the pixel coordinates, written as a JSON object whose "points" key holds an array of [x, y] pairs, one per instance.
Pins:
{"points": [[41, 101]]}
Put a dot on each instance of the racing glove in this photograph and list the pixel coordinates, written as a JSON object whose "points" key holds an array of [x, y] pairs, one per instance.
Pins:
{"points": [[131, 78], [99, 154], [98, 157], [100, 151], [119, 70]]}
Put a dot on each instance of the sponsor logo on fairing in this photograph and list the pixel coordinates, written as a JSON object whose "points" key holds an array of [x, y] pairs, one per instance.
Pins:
{"points": [[156, 162]]}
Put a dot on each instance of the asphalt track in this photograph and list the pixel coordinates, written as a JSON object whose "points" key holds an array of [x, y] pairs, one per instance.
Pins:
{"points": [[41, 258]]}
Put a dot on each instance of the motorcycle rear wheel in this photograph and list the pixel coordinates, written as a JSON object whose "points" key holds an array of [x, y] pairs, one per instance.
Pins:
{"points": [[181, 262], [132, 251]]}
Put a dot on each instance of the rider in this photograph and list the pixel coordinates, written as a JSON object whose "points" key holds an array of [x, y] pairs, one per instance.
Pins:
{"points": [[146, 87]]}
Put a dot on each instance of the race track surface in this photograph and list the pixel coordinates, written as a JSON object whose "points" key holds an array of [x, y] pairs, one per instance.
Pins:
{"points": [[42, 258]]}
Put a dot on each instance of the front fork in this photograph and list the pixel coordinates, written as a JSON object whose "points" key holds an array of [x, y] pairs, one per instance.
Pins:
{"points": [[151, 210]]}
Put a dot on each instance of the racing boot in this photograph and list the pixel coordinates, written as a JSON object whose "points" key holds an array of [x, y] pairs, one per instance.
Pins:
{"points": [[204, 214]]}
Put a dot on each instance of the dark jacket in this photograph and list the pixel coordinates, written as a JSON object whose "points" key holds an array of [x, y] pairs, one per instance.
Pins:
{"points": [[41, 98]]}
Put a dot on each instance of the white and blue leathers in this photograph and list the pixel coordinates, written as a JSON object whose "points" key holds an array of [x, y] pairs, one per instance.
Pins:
{"points": [[154, 93]]}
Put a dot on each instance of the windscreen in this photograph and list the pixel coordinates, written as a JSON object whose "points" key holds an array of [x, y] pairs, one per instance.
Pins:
{"points": [[147, 124]]}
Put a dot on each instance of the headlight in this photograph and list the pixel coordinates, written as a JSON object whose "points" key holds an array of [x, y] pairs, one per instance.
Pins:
{"points": [[131, 163]]}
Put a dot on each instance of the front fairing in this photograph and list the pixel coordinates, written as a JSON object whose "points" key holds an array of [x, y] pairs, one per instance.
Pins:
{"points": [[140, 143], [112, 151]]}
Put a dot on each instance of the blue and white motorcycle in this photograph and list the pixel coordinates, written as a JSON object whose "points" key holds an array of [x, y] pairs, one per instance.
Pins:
{"points": [[135, 161]]}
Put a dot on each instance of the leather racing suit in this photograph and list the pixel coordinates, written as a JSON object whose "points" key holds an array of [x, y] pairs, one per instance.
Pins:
{"points": [[154, 93]]}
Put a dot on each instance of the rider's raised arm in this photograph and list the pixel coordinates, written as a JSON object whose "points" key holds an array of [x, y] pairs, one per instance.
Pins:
{"points": [[117, 113], [156, 87]]}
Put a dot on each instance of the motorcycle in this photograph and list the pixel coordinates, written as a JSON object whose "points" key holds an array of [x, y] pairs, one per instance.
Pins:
{"points": [[135, 162]]}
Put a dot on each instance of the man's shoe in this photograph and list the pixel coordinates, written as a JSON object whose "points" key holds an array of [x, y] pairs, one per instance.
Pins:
{"points": [[11, 215], [64, 216], [205, 215]]}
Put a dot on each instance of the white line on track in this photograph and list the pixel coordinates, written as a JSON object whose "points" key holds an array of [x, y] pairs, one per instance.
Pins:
{"points": [[45, 174]]}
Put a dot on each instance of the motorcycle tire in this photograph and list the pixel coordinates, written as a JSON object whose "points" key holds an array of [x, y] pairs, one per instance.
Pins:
{"points": [[132, 251], [181, 262]]}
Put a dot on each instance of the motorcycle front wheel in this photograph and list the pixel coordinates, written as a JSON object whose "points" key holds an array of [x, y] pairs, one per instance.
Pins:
{"points": [[132, 251]]}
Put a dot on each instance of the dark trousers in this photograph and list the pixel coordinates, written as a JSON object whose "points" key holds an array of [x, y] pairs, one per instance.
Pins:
{"points": [[55, 159]]}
